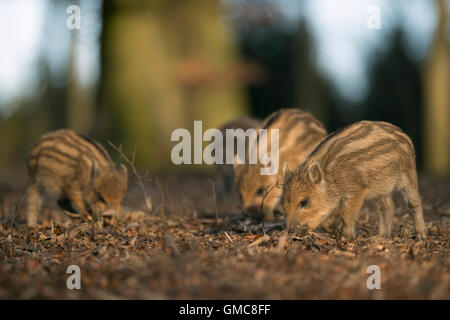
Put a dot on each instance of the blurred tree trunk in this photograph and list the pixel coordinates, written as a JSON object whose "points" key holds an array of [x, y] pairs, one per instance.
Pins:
{"points": [[162, 66], [437, 99], [80, 100], [312, 90]]}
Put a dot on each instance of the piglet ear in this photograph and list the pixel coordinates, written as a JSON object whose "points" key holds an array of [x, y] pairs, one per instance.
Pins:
{"points": [[315, 173]]}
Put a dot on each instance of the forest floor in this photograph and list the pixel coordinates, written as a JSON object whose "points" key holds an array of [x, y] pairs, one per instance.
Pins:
{"points": [[182, 250]]}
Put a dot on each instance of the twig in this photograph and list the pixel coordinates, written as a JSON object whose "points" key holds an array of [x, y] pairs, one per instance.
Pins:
{"points": [[74, 232], [320, 236], [258, 241], [163, 198], [158, 184], [130, 162], [228, 236], [213, 184], [267, 190]]}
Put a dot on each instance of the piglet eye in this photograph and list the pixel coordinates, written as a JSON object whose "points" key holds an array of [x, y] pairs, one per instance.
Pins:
{"points": [[260, 191], [99, 196], [304, 203]]}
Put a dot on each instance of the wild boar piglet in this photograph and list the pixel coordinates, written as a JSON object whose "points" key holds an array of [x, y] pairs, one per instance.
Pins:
{"points": [[75, 170], [299, 133], [225, 172], [368, 159]]}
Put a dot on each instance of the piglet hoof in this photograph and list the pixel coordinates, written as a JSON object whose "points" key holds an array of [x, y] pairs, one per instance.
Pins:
{"points": [[348, 233], [422, 236]]}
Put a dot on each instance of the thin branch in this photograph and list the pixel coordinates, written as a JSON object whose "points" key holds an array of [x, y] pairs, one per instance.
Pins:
{"points": [[159, 185], [267, 190], [213, 184], [130, 162], [163, 198]]}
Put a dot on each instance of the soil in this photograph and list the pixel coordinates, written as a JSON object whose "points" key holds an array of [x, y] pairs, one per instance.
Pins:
{"points": [[184, 249]]}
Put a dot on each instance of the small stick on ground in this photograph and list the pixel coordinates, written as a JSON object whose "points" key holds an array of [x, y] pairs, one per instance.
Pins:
{"points": [[213, 184], [228, 236], [258, 241], [130, 162], [73, 232], [163, 198], [267, 190], [158, 184], [323, 237]]}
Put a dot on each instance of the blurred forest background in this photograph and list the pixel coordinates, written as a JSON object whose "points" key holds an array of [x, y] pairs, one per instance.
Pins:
{"points": [[136, 70]]}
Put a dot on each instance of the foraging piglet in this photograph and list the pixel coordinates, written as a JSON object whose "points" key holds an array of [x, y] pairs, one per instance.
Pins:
{"points": [[225, 172], [367, 159], [299, 133], [77, 171]]}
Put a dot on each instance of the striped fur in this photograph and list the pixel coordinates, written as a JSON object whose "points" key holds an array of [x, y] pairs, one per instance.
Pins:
{"points": [[299, 133], [67, 165], [224, 172], [365, 160]]}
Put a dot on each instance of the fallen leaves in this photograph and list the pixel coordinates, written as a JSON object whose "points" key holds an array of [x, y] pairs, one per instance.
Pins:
{"points": [[189, 254]]}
